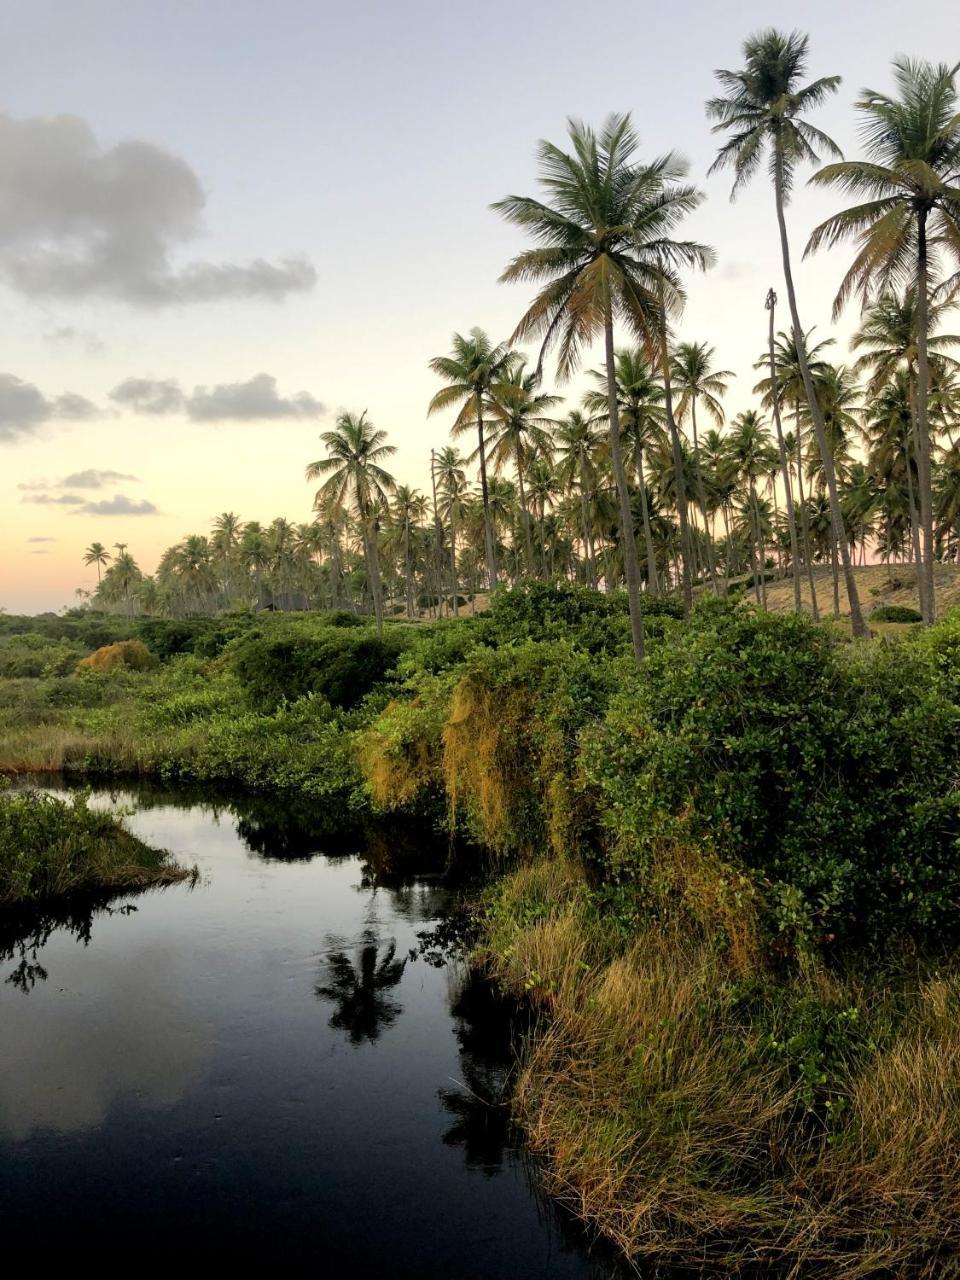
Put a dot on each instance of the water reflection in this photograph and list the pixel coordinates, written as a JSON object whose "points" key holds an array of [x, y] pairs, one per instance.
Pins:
{"points": [[25, 932], [362, 988]]}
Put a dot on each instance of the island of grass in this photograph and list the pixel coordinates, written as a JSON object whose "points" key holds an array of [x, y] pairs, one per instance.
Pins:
{"points": [[52, 848]]}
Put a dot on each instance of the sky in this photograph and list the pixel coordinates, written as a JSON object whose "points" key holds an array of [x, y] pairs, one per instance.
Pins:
{"points": [[224, 221]]}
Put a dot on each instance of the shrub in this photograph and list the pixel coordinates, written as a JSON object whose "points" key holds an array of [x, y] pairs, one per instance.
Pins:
{"points": [[131, 655], [895, 613], [343, 665]]}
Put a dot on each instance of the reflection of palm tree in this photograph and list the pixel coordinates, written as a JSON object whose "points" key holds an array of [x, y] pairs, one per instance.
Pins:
{"points": [[361, 989]]}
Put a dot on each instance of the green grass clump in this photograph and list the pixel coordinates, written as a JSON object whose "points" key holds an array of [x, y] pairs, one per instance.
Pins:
{"points": [[50, 847]]}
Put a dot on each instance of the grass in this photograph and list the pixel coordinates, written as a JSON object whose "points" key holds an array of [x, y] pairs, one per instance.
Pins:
{"points": [[699, 1115], [876, 583], [50, 848]]}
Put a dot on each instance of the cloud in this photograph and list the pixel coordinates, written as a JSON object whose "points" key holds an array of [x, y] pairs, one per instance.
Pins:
{"points": [[92, 479], [256, 400], [51, 500], [81, 220], [41, 539], [118, 505], [149, 395], [67, 336], [23, 407], [39, 553]]}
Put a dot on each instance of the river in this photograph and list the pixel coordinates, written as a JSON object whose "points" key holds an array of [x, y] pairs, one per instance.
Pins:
{"points": [[265, 1068]]}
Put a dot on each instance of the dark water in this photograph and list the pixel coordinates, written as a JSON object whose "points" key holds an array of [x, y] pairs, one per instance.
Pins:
{"points": [[254, 1070]]}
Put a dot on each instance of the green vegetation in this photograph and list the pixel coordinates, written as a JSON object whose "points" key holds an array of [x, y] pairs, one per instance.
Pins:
{"points": [[50, 848], [728, 876]]}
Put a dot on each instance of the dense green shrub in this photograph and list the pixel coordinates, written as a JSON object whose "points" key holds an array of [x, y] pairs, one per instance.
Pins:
{"points": [[33, 655], [895, 613], [820, 767], [341, 664]]}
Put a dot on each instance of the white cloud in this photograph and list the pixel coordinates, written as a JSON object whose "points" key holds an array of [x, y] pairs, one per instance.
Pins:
{"points": [[92, 479], [24, 407], [80, 220], [68, 336], [256, 400], [118, 505]]}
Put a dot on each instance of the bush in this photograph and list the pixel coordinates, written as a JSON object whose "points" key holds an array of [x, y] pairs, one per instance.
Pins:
{"points": [[341, 664], [895, 613], [817, 766], [32, 655], [130, 655]]}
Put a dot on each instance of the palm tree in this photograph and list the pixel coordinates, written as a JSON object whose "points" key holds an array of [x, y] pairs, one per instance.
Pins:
{"points": [[911, 215], [762, 112], [576, 444], [697, 379], [642, 417], [226, 538], [452, 479], [771, 305], [471, 369], [749, 448], [406, 515], [352, 467], [604, 254], [96, 554]]}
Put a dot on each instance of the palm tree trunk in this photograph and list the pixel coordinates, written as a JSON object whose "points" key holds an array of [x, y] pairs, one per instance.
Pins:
{"points": [[631, 569], [488, 542], [587, 540], [653, 584], [826, 457], [782, 449], [524, 513], [702, 498], [373, 572], [928, 604], [453, 559], [804, 521], [678, 476]]}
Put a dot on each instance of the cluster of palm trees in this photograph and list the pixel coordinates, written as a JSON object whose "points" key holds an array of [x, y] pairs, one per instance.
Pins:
{"points": [[642, 482]]}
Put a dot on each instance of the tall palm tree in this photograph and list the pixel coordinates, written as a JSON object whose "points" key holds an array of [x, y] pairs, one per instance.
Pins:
{"points": [[749, 448], [470, 370], [911, 216], [352, 468], [96, 554], [604, 253], [696, 379], [642, 419], [761, 111], [452, 479], [519, 433], [771, 305], [576, 443], [407, 513]]}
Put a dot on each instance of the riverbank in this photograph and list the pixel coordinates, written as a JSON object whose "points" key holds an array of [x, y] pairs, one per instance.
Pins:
{"points": [[51, 848], [729, 878]]}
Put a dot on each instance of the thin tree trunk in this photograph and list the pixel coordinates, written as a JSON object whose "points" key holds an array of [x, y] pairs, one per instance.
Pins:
{"points": [[782, 450], [816, 416], [587, 540], [373, 573], [488, 540], [453, 559], [678, 475], [804, 521], [653, 584], [928, 602], [702, 497], [631, 569], [524, 513]]}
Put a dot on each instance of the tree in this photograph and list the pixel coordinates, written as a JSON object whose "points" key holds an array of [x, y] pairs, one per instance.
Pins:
{"points": [[96, 554], [697, 379], [352, 468], [761, 112], [472, 368], [604, 254], [750, 450], [520, 432], [782, 451], [910, 216], [452, 479], [407, 513], [576, 443]]}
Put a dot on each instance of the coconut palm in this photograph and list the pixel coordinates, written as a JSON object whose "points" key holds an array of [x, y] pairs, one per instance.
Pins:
{"points": [[407, 512], [697, 379], [774, 400], [909, 221], [761, 112], [352, 469], [642, 419], [470, 370], [750, 450], [604, 254], [452, 478], [96, 554], [575, 439], [519, 433]]}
